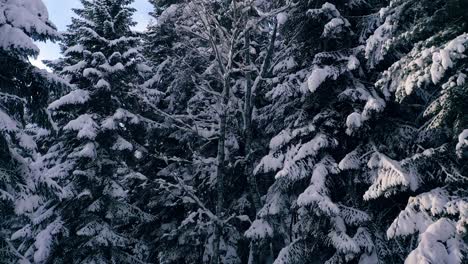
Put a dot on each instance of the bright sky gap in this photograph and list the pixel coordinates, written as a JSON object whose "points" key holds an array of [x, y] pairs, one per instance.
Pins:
{"points": [[60, 13]]}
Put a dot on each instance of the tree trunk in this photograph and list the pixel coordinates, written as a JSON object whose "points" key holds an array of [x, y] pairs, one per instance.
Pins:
{"points": [[220, 168], [256, 250], [248, 107]]}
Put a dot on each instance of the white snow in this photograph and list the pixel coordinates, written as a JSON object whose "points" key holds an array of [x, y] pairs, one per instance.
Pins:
{"points": [[317, 192], [102, 84], [312, 147], [13, 38], [461, 79], [377, 44], [353, 122], [122, 144], [91, 72], [260, 229], [77, 96], [85, 126], [27, 203], [271, 162], [21, 20], [390, 174], [88, 151], [45, 239], [281, 18], [75, 68], [111, 122], [114, 68], [138, 154], [22, 233], [353, 63], [438, 244], [333, 27], [318, 76], [115, 190], [351, 161], [6, 123], [74, 49], [462, 142], [443, 59], [281, 139], [26, 141]]}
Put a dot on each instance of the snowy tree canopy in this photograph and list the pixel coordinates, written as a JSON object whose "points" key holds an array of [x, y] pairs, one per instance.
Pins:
{"points": [[257, 132]]}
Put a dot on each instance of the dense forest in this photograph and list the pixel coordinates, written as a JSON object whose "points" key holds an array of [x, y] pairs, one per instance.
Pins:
{"points": [[236, 131]]}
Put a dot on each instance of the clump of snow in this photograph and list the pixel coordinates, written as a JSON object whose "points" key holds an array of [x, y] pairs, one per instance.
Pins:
{"points": [[377, 44], [438, 244], [113, 122], [21, 20], [102, 84], [26, 141], [334, 27], [317, 193], [461, 79], [443, 59], [16, 40], [76, 68], [27, 203], [6, 123], [22, 233], [115, 190], [88, 151], [77, 96], [318, 76], [135, 176], [85, 126], [373, 105], [353, 122], [281, 18], [112, 68], [281, 139], [138, 154], [351, 161], [462, 142], [259, 230], [271, 162], [122, 144], [44, 240], [390, 175], [74, 49], [91, 72], [353, 63]]}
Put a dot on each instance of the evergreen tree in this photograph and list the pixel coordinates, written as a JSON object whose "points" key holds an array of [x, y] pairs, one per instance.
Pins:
{"points": [[422, 52], [95, 164], [24, 119], [314, 211]]}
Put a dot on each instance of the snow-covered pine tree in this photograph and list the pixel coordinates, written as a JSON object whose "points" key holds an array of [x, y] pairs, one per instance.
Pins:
{"points": [[24, 119], [313, 211], [418, 145], [97, 159]]}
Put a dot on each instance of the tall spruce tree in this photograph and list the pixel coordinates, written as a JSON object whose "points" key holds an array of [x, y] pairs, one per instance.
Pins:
{"points": [[96, 162], [314, 211], [24, 119], [420, 50]]}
